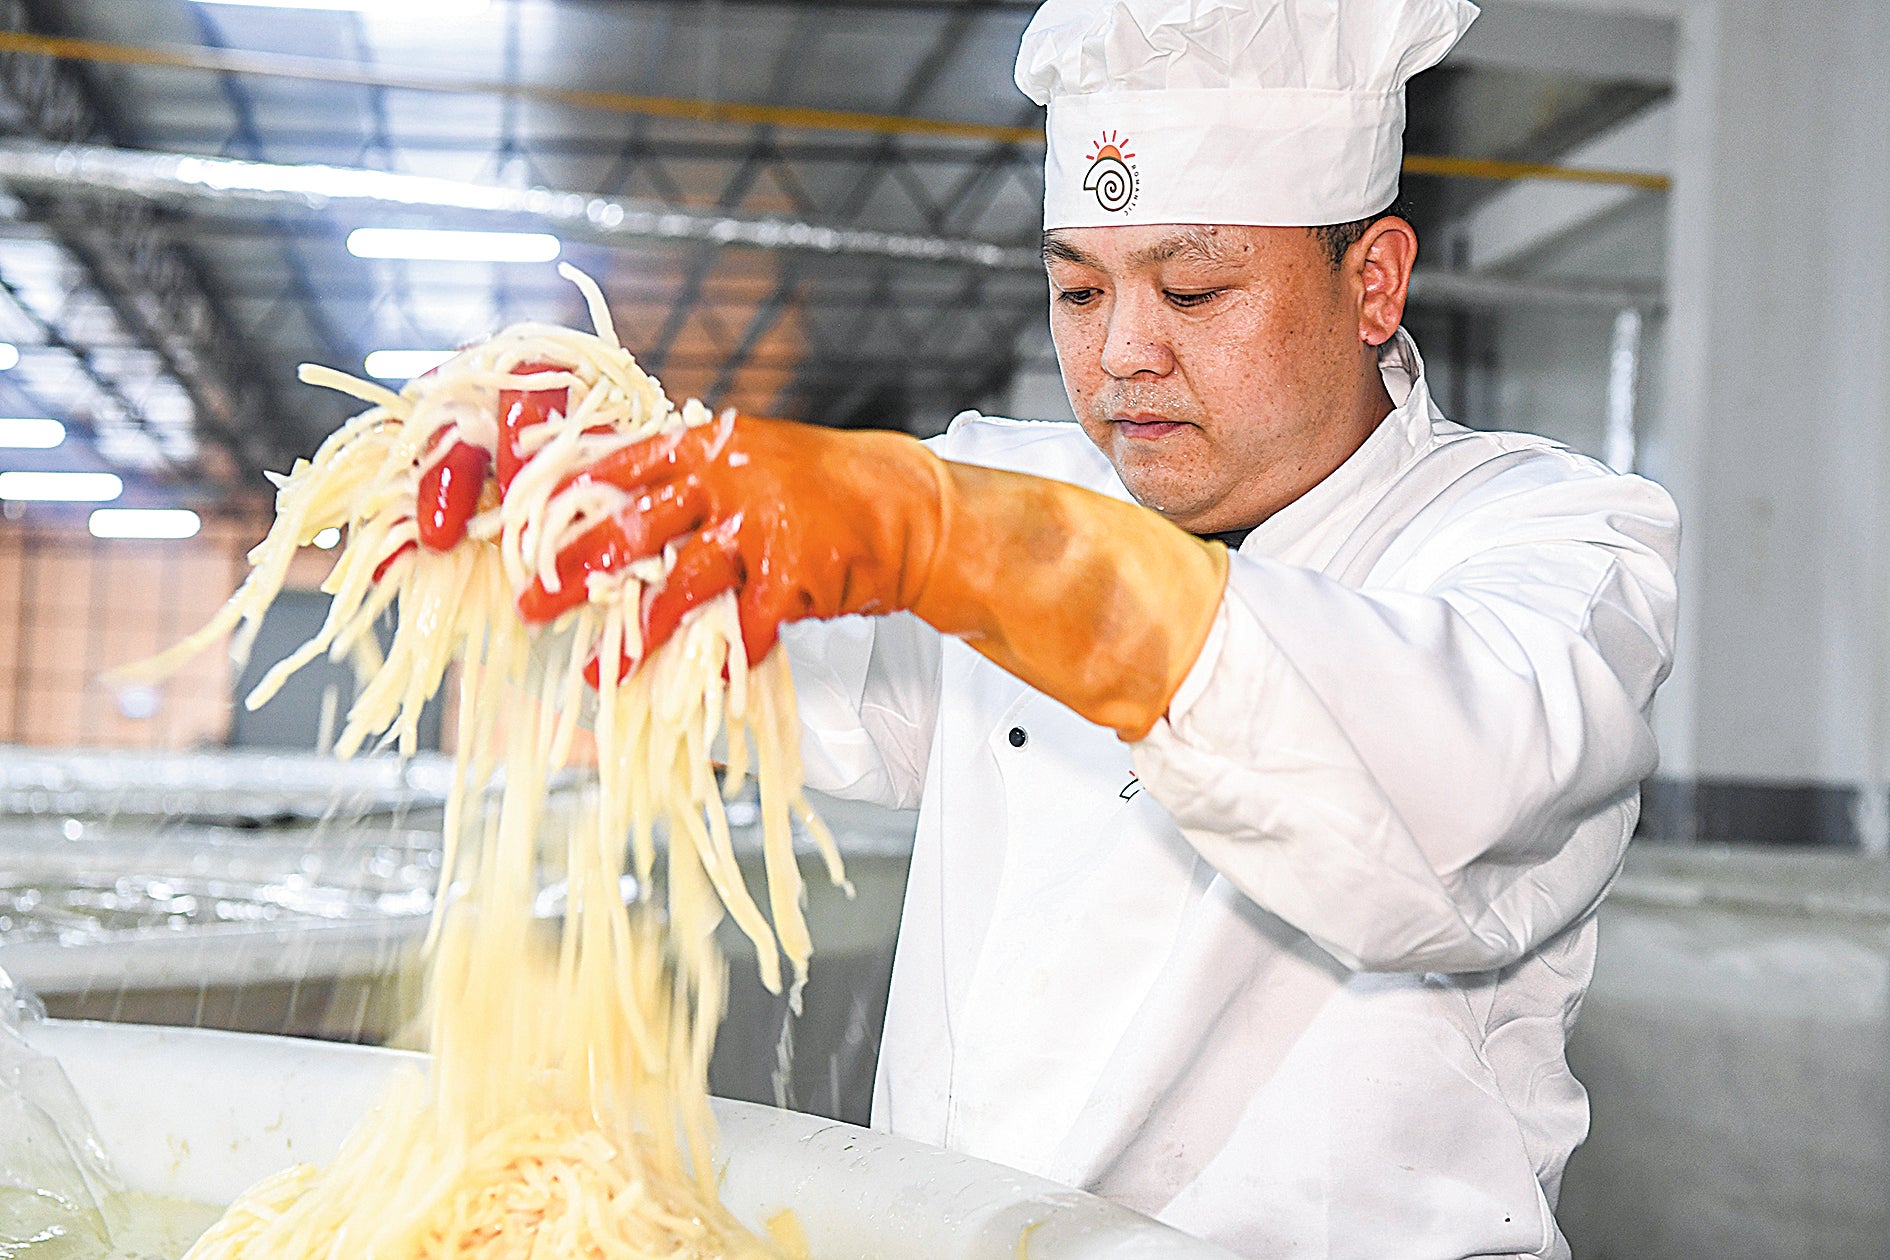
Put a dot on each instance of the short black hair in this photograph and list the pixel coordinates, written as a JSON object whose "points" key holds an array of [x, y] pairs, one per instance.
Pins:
{"points": [[1338, 238]]}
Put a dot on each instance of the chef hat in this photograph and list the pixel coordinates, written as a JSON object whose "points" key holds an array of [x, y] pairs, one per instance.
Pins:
{"points": [[1268, 112]]}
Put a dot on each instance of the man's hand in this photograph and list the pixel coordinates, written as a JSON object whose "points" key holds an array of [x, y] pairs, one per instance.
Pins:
{"points": [[1100, 604]]}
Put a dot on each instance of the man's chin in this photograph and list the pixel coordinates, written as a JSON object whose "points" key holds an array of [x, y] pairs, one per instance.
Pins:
{"points": [[1176, 497]]}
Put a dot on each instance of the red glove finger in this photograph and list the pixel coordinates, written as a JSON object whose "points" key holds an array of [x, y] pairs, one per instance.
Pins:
{"points": [[657, 459], [769, 599], [638, 532], [599, 549], [707, 564], [449, 495], [380, 570], [594, 670], [521, 409], [761, 626]]}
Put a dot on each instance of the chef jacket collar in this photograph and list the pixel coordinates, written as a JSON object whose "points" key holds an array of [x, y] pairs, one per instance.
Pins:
{"points": [[1346, 492], [1229, 538]]}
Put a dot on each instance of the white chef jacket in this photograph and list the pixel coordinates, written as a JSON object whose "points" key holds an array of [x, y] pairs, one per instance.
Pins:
{"points": [[1295, 972]]}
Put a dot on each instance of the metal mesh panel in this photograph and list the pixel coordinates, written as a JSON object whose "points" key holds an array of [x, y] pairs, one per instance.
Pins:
{"points": [[289, 893]]}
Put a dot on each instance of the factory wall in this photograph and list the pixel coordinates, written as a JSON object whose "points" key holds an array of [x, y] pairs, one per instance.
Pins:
{"points": [[1776, 433], [76, 606], [73, 606], [1546, 366], [1036, 391], [1533, 369]]}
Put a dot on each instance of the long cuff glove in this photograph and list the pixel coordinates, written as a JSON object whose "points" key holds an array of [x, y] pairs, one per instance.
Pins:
{"points": [[1097, 603]]}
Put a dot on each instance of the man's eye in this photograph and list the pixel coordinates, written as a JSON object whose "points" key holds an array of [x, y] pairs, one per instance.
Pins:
{"points": [[1076, 297], [1185, 300]]}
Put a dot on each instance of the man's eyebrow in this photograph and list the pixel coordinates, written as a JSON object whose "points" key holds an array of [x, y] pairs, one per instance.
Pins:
{"points": [[1056, 249], [1195, 244]]}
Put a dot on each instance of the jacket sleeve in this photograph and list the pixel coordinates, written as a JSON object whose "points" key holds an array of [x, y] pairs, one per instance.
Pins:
{"points": [[868, 694], [868, 690], [1440, 772]]}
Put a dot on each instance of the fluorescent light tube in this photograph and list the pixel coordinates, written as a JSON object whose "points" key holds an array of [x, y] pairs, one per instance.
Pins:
{"points": [[9, 356], [377, 8], [144, 523], [433, 244], [404, 365], [60, 487], [30, 434]]}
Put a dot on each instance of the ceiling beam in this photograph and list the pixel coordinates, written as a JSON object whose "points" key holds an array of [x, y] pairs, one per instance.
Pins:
{"points": [[1523, 219], [247, 139], [81, 356], [149, 281], [786, 68], [766, 315], [1021, 9], [181, 178], [1460, 290], [329, 70], [1585, 43], [924, 75]]}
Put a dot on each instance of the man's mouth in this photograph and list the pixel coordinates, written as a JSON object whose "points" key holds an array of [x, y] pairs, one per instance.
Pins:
{"points": [[1145, 426]]}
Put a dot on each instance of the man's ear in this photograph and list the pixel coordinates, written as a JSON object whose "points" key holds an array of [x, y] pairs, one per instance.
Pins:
{"points": [[1379, 267]]}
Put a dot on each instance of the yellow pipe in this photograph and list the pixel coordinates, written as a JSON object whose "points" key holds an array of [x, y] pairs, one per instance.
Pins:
{"points": [[322, 70], [1493, 168]]}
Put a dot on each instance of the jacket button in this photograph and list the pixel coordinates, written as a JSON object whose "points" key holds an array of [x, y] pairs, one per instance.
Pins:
{"points": [[1019, 737]]}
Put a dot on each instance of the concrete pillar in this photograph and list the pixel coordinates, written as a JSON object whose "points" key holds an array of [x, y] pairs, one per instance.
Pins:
{"points": [[1776, 427]]}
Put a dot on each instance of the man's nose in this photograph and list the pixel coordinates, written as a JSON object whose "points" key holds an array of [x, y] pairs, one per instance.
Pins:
{"points": [[1137, 341]]}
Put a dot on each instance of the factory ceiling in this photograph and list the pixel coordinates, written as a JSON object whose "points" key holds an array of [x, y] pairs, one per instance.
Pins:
{"points": [[859, 199]]}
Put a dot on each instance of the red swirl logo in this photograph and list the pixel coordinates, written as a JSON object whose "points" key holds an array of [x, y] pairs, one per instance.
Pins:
{"points": [[1110, 176]]}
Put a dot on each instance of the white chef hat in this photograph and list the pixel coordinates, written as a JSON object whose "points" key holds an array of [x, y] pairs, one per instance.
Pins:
{"points": [[1267, 112]]}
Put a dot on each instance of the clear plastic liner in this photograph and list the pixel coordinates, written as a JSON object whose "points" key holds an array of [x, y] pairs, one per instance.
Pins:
{"points": [[54, 1176]]}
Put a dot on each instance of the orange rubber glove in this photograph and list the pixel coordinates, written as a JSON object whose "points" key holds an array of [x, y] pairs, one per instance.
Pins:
{"points": [[1100, 604], [447, 496], [449, 490]]}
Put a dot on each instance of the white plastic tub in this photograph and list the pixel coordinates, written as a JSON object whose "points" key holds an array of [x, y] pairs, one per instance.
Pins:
{"points": [[201, 1115], [1736, 1048]]}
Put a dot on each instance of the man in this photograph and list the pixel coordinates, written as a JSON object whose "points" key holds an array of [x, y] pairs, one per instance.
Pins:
{"points": [[1282, 736]]}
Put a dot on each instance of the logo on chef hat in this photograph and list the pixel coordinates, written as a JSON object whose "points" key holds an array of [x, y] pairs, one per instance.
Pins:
{"points": [[1110, 176]]}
